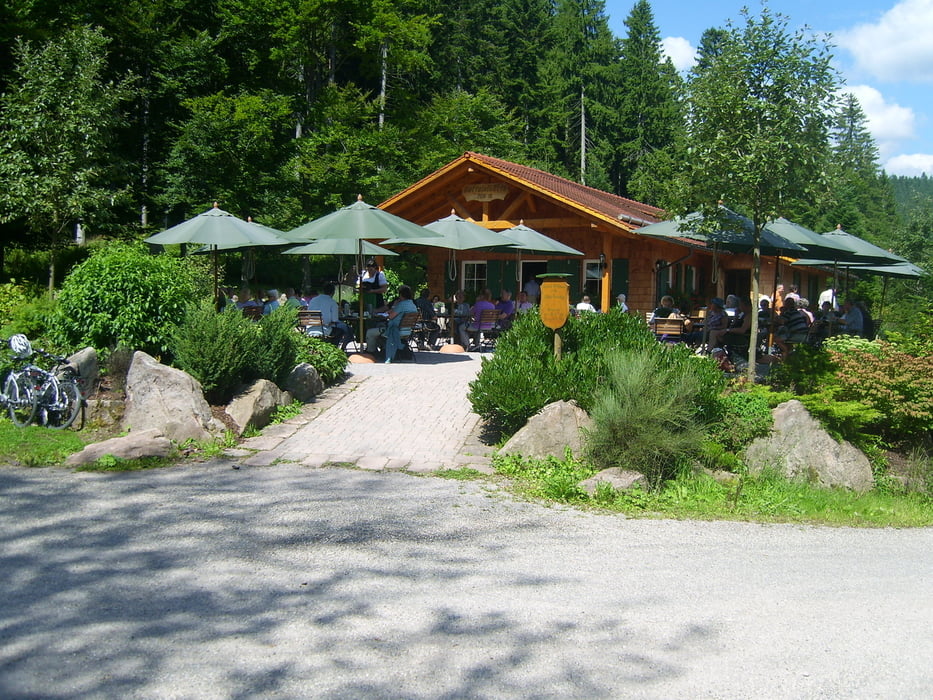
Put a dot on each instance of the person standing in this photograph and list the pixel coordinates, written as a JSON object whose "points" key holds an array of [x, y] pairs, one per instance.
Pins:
{"points": [[532, 289]]}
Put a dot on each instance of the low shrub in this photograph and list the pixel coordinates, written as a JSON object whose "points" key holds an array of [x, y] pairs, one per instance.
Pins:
{"points": [[329, 360], [225, 350], [523, 376], [275, 345], [743, 416], [897, 385], [645, 417], [214, 348]]}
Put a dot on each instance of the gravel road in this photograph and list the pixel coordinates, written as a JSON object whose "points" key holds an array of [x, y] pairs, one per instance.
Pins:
{"points": [[284, 581]]}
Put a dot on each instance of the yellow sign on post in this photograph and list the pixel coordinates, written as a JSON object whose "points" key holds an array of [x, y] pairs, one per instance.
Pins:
{"points": [[555, 305]]}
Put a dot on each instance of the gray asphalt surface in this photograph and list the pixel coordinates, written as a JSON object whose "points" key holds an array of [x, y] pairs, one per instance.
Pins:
{"points": [[291, 581]]}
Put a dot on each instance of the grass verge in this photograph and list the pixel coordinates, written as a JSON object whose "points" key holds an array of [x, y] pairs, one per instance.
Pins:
{"points": [[767, 497], [37, 446]]}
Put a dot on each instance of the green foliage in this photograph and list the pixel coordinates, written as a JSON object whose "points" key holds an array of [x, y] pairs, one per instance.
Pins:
{"points": [[805, 370], [32, 318], [852, 343], [215, 348], [329, 360], [845, 420], [523, 376], [122, 296], [645, 417], [896, 385], [225, 350], [743, 416], [58, 114], [110, 463], [275, 345], [555, 479], [283, 413], [37, 446]]}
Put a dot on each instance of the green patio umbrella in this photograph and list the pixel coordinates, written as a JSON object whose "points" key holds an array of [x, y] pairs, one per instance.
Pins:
{"points": [[220, 230], [338, 246], [356, 222], [531, 241], [456, 233]]}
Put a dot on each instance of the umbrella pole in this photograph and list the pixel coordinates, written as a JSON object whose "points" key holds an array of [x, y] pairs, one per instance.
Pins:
{"points": [[216, 286]]}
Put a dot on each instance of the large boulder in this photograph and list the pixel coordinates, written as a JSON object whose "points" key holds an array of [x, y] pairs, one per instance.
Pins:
{"points": [[168, 400], [550, 432], [86, 364], [304, 382], [136, 445], [800, 449], [619, 479], [254, 406]]}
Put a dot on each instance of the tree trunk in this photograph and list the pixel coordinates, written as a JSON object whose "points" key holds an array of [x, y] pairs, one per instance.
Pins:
{"points": [[753, 330]]}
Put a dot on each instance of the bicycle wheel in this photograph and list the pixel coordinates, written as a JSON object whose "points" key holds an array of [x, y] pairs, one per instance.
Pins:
{"points": [[21, 400], [63, 412]]}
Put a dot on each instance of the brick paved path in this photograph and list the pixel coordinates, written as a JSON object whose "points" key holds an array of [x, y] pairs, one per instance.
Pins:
{"points": [[411, 416]]}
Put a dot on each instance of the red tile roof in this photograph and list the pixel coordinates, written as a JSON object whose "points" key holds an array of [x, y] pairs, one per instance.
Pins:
{"points": [[635, 214]]}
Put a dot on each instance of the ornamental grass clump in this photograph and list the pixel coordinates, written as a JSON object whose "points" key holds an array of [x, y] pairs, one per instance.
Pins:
{"points": [[523, 376], [645, 416]]}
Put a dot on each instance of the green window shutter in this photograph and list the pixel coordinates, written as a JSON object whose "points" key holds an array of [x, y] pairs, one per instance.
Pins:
{"points": [[619, 277]]}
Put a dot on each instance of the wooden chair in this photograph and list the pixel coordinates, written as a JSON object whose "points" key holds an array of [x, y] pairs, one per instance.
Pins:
{"points": [[253, 313], [485, 329], [311, 323], [669, 330]]}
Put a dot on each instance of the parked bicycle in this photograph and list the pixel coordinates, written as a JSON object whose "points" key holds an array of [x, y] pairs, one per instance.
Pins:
{"points": [[33, 394]]}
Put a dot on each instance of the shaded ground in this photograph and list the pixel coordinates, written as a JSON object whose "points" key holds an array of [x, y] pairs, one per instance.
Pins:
{"points": [[285, 581]]}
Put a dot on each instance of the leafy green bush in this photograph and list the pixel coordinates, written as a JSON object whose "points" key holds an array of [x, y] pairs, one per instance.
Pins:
{"points": [[556, 479], [805, 370], [523, 376], [27, 311], [329, 360], [897, 385], [123, 296], [743, 416], [645, 417]]}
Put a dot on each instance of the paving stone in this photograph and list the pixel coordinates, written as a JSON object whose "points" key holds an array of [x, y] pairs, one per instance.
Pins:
{"points": [[262, 442], [237, 453], [372, 463], [260, 459]]}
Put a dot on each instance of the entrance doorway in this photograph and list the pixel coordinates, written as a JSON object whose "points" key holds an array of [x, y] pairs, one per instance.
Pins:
{"points": [[531, 268]]}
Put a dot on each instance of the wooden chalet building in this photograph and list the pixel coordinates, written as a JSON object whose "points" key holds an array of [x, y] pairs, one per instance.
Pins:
{"points": [[498, 194]]}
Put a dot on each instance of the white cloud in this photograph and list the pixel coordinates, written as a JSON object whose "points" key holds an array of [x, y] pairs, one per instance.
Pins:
{"points": [[888, 122], [680, 51], [897, 47], [913, 164]]}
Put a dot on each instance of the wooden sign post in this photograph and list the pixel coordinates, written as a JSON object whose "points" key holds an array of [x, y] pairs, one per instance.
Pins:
{"points": [[555, 304]]}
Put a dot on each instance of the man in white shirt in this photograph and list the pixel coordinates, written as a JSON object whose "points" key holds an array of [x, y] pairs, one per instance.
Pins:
{"points": [[829, 294], [335, 330]]}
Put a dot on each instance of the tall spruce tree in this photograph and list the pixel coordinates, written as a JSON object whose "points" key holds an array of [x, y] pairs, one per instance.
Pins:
{"points": [[649, 114]]}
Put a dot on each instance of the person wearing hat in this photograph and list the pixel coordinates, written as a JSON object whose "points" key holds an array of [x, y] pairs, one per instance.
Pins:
{"points": [[373, 285], [716, 319]]}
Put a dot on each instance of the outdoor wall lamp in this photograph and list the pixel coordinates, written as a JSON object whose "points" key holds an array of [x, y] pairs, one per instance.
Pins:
{"points": [[602, 261]]}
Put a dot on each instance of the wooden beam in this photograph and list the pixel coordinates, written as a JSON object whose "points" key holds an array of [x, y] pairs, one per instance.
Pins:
{"points": [[522, 200]]}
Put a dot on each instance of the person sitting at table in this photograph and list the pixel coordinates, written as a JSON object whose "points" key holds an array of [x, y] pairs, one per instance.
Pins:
{"points": [[393, 340], [246, 299], [852, 320], [732, 305], [620, 303], [523, 303], [335, 330], [738, 332], [293, 301], [506, 308], [665, 309], [585, 305], [792, 326], [461, 315], [475, 327], [272, 302], [803, 304], [428, 330]]}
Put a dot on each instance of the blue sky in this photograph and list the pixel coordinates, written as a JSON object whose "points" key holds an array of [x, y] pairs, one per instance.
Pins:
{"points": [[883, 49]]}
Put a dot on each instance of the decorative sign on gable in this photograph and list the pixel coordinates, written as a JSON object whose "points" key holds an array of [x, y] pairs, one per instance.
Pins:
{"points": [[485, 192]]}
